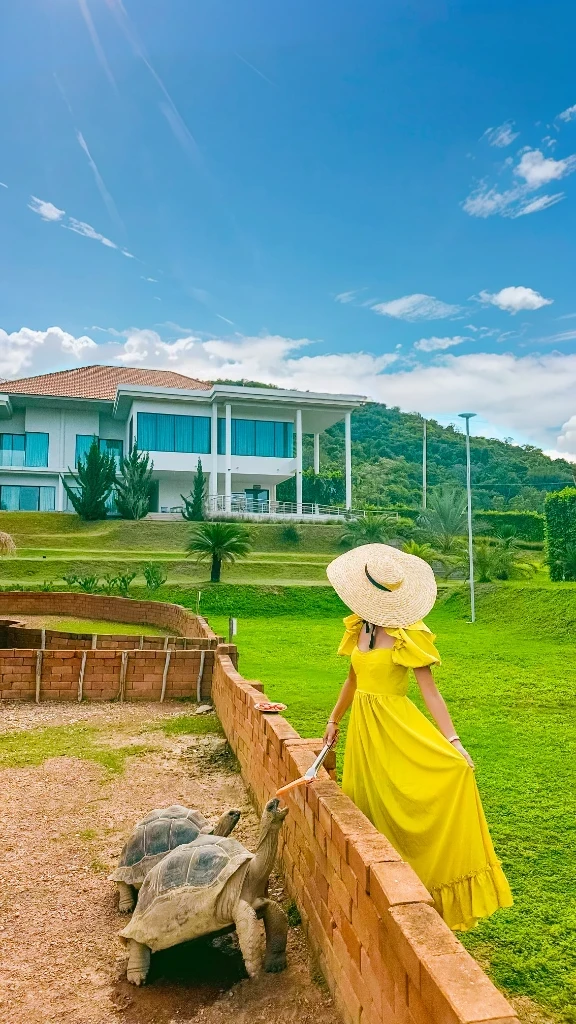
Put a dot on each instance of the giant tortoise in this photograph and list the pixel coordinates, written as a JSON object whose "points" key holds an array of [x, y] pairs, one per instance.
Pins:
{"points": [[207, 886], [155, 836]]}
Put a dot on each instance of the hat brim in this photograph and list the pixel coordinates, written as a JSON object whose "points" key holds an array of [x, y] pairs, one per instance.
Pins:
{"points": [[406, 604]]}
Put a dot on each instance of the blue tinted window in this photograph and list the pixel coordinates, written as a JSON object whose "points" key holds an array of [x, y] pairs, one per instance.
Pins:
{"points": [[28, 499], [160, 433], [37, 449], [258, 437], [83, 445]]}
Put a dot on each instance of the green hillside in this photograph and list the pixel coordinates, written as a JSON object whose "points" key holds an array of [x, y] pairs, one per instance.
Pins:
{"points": [[387, 464]]}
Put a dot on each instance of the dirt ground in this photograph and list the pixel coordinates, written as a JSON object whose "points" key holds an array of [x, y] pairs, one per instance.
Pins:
{"points": [[62, 826]]}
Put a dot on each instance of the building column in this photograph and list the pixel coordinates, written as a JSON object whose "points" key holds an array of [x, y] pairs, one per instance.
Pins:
{"points": [[213, 481], [348, 457], [316, 464], [228, 452], [60, 493], [299, 461]]}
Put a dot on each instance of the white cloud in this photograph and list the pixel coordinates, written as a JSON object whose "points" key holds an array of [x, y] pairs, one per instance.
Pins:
{"points": [[523, 395], [416, 307], [153, 280], [81, 228], [541, 203], [2, 185], [438, 344], [568, 115], [128, 254], [502, 136], [45, 210], [515, 299], [537, 169], [345, 297], [25, 351]]}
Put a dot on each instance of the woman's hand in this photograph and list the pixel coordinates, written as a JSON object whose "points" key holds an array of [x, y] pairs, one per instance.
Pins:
{"points": [[462, 750], [331, 734]]}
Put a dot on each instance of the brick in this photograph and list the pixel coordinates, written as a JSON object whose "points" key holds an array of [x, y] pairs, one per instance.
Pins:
{"points": [[418, 933], [391, 884], [366, 850], [455, 988]]}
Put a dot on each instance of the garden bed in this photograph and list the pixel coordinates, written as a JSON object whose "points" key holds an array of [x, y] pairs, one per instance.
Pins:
{"points": [[74, 781]]}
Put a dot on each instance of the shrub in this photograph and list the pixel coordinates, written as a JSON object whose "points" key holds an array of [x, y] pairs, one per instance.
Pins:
{"points": [[528, 525], [560, 511], [424, 551], [123, 581], [369, 530], [154, 575], [7, 545], [290, 535], [89, 584]]}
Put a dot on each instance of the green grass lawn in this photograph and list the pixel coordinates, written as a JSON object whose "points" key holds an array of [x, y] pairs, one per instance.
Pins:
{"points": [[512, 695], [67, 624]]}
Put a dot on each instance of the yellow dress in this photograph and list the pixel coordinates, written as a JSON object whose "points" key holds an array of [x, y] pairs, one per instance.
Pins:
{"points": [[415, 787]]}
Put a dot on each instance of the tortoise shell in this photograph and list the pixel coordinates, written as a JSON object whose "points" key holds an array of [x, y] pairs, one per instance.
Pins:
{"points": [[161, 831], [180, 898]]}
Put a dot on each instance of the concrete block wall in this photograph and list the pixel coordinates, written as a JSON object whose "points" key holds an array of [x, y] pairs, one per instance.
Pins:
{"points": [[173, 617], [386, 954], [60, 673]]}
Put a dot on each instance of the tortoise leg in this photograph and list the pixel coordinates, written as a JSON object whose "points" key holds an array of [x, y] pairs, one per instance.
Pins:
{"points": [[126, 898], [276, 925], [138, 962], [248, 932]]}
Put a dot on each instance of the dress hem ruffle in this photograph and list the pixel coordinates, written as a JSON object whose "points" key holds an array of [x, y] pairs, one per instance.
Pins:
{"points": [[464, 901]]}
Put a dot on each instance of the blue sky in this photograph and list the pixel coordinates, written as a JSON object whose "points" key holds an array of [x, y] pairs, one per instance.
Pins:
{"points": [[351, 197]]}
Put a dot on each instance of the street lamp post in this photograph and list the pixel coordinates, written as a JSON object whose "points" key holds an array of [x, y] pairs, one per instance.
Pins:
{"points": [[424, 464], [468, 416]]}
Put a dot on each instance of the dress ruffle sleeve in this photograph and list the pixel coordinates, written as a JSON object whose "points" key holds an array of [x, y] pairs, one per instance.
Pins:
{"points": [[353, 625], [414, 646]]}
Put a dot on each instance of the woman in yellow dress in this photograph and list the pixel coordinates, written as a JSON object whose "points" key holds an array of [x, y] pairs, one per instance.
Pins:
{"points": [[414, 781]]}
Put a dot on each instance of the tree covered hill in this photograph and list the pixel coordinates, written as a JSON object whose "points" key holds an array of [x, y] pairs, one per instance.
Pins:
{"points": [[387, 463]]}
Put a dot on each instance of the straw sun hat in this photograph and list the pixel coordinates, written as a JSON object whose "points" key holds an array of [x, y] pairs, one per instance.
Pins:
{"points": [[382, 585]]}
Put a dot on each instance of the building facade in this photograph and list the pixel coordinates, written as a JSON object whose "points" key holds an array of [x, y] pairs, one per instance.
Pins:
{"points": [[248, 439]]}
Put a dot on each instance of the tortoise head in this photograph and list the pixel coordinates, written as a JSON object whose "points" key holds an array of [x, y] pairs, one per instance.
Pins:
{"points": [[225, 825], [273, 815]]}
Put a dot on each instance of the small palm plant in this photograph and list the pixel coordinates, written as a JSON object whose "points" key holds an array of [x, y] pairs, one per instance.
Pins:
{"points": [[218, 543], [368, 530], [423, 551], [444, 520]]}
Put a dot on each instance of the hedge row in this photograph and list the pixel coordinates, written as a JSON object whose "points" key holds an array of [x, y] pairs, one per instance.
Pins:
{"points": [[560, 510], [528, 525]]}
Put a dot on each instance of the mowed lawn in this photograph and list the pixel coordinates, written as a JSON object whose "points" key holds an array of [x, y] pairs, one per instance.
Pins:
{"points": [[512, 695]]}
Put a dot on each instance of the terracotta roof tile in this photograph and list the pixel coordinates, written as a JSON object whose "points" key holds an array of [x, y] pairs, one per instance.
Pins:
{"points": [[98, 382]]}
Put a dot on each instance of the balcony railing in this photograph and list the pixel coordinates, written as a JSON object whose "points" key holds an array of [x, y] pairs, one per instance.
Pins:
{"points": [[241, 506]]}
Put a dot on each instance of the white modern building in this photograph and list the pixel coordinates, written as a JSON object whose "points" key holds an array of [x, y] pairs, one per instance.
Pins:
{"points": [[248, 439]]}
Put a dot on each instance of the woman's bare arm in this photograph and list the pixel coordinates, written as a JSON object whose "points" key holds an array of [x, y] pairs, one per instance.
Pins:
{"points": [[437, 708], [341, 707]]}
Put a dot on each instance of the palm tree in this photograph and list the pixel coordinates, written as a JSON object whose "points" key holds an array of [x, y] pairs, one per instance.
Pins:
{"points": [[424, 551], [444, 520], [218, 542], [368, 530]]}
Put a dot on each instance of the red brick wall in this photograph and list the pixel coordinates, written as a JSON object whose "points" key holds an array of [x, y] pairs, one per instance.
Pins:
{"points": [[60, 673], [23, 636], [386, 954], [116, 609]]}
